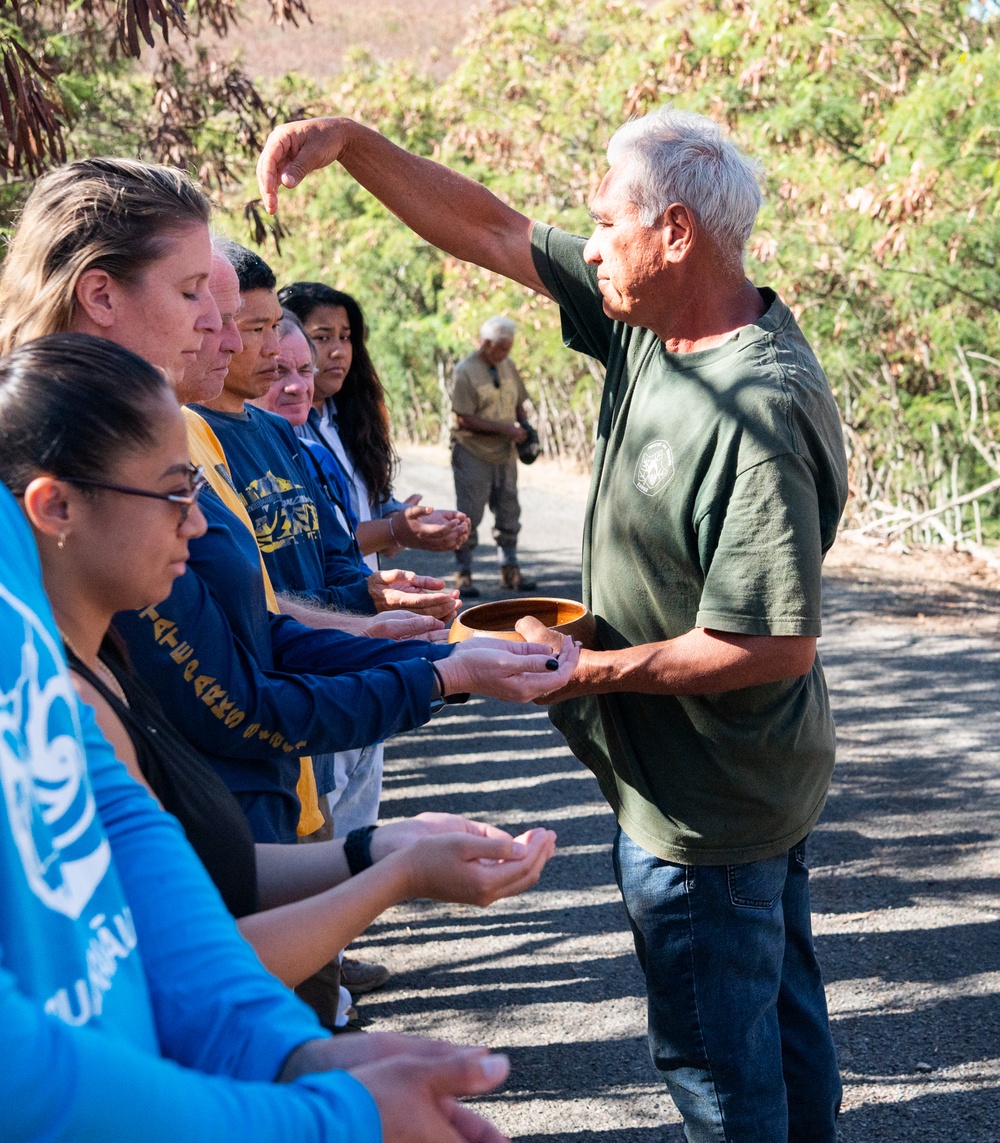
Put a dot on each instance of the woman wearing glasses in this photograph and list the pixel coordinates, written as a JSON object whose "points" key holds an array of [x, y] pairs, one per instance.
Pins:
{"points": [[93, 445]]}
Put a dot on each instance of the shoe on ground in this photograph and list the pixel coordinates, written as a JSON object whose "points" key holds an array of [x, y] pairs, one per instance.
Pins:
{"points": [[512, 579], [321, 992], [359, 977], [355, 1023], [467, 589]]}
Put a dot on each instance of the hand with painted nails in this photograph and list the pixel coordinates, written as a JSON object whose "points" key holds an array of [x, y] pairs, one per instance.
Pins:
{"points": [[538, 633], [518, 672]]}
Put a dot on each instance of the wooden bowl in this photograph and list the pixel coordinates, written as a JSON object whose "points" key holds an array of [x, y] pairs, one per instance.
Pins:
{"points": [[498, 618]]}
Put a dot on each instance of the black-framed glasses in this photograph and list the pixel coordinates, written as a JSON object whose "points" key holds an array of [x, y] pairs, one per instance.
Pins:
{"points": [[185, 502]]}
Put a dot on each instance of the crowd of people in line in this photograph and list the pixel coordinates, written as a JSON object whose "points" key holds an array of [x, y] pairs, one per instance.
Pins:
{"points": [[212, 607], [197, 473]]}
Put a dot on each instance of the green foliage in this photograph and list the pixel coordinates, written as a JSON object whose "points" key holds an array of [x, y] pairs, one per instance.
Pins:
{"points": [[876, 129], [875, 125]]}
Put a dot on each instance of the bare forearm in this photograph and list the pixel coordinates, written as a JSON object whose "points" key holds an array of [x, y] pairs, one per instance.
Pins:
{"points": [[287, 873], [295, 940], [699, 662], [485, 425], [312, 615], [450, 211], [375, 536]]}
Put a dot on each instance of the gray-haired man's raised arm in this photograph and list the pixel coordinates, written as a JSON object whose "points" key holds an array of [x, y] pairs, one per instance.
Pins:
{"points": [[449, 210]]}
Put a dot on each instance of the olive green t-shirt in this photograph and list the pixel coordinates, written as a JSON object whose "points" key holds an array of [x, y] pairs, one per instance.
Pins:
{"points": [[719, 480], [475, 393]]}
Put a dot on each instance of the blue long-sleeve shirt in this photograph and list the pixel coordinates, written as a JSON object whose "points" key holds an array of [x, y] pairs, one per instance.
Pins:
{"points": [[130, 1007], [253, 691], [332, 481], [322, 431], [305, 548]]}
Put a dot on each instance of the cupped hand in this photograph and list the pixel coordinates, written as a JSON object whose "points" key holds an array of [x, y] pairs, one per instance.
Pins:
{"points": [[401, 624], [408, 580], [295, 149], [531, 628], [517, 672], [394, 836], [398, 588], [441, 605], [416, 1095], [470, 870], [431, 529]]}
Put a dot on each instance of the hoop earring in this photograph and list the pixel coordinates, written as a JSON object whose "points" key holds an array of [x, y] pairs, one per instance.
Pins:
{"points": [[61, 543]]}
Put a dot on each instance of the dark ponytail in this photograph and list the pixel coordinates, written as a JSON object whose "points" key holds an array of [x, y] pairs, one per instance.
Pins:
{"points": [[72, 405]]}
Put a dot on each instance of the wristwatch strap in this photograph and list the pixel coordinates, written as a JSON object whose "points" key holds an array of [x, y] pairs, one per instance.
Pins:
{"points": [[358, 848], [443, 699]]}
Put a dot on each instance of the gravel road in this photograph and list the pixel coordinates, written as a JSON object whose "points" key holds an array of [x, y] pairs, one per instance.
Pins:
{"points": [[905, 860]]}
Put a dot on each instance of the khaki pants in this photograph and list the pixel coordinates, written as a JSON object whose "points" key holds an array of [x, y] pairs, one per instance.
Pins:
{"points": [[478, 484]]}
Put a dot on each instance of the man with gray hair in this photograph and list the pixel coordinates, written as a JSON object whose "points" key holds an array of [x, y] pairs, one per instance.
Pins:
{"points": [[719, 480], [487, 398]]}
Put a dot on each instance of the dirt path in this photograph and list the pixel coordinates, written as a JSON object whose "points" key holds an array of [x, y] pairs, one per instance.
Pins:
{"points": [[906, 868], [425, 31]]}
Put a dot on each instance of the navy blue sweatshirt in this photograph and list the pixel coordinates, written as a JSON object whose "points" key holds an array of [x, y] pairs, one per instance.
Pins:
{"points": [[255, 691], [305, 547]]}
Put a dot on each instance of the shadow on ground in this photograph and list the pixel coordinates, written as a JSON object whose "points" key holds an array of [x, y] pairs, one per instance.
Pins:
{"points": [[906, 895]]}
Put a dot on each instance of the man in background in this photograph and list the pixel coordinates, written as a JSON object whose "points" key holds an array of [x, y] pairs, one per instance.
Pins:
{"points": [[487, 399]]}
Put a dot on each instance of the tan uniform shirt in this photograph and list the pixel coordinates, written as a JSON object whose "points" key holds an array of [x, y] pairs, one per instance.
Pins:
{"points": [[475, 394]]}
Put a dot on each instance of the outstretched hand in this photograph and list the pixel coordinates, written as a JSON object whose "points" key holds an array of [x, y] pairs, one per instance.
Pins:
{"points": [[470, 870], [532, 629], [394, 836], [417, 1096], [402, 624], [431, 529], [518, 672], [295, 149], [415, 1083], [398, 588]]}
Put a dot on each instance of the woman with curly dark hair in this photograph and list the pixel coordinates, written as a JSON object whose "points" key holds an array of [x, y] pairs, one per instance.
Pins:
{"points": [[350, 418]]}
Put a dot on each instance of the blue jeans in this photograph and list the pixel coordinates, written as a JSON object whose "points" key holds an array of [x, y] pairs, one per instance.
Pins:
{"points": [[737, 1014]]}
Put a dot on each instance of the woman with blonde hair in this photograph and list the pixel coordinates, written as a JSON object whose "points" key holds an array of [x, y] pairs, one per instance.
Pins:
{"points": [[108, 244]]}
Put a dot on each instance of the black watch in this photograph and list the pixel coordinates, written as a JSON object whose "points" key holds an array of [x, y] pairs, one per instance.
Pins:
{"points": [[358, 849], [441, 699]]}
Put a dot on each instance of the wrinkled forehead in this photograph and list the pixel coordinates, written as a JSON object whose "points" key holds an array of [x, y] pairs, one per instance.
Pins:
{"points": [[295, 345], [260, 306], [614, 195], [224, 285]]}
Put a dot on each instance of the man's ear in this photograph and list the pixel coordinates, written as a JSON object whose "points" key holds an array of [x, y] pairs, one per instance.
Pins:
{"points": [[47, 507], [679, 232], [96, 294]]}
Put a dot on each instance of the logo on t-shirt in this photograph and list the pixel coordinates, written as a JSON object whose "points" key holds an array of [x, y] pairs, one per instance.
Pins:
{"points": [[49, 802], [282, 512], [655, 468]]}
